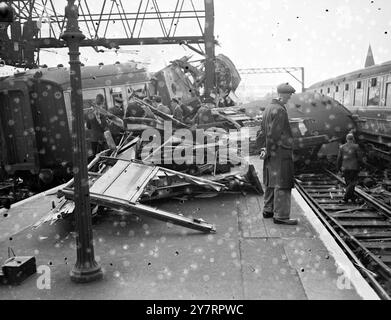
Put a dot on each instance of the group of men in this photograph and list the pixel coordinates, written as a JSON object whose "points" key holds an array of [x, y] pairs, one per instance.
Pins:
{"points": [[276, 141]]}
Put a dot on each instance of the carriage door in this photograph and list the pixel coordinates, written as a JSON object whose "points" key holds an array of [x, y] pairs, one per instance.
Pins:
{"points": [[18, 130], [388, 95]]}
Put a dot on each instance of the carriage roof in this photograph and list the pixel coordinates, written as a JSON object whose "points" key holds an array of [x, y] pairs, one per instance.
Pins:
{"points": [[92, 76], [356, 75]]}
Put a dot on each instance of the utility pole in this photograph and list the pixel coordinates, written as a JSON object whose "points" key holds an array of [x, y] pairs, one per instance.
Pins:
{"points": [[86, 268]]}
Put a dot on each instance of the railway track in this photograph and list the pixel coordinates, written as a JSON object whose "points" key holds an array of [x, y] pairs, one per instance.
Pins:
{"points": [[362, 229]]}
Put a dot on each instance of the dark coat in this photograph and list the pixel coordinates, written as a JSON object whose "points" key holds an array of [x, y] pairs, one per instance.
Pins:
{"points": [[203, 116], [349, 157], [117, 111], [96, 128], [178, 113], [162, 108], [135, 110], [277, 138]]}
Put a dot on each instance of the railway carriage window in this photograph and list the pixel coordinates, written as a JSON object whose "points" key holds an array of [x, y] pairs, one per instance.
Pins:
{"points": [[89, 96], [358, 95], [140, 90], [388, 95], [374, 93], [346, 96], [116, 93]]}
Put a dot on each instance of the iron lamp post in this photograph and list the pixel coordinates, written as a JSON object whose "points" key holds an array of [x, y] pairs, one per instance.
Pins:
{"points": [[86, 268]]}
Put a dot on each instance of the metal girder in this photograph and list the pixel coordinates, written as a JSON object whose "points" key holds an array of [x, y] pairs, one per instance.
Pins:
{"points": [[111, 23], [115, 43], [105, 19]]}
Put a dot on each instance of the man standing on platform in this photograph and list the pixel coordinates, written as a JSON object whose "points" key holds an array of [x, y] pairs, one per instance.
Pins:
{"points": [[349, 160], [277, 152]]}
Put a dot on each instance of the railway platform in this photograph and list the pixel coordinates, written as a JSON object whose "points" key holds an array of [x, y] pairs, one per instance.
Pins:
{"points": [[247, 258]]}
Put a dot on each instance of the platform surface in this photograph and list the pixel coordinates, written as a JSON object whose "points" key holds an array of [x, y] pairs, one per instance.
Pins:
{"points": [[248, 258]]}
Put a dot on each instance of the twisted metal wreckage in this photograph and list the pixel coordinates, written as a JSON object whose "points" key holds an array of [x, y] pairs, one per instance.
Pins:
{"points": [[121, 180]]}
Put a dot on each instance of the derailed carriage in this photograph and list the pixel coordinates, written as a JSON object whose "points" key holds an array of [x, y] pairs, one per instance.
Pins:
{"points": [[36, 117], [318, 124], [367, 94]]}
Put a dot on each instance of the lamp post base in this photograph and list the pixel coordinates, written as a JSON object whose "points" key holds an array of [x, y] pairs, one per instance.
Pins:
{"points": [[86, 275]]}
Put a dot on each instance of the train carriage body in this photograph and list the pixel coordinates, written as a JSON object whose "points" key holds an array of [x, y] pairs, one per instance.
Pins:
{"points": [[36, 116], [367, 94]]}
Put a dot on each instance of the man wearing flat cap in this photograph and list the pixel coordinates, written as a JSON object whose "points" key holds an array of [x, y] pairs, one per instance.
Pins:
{"points": [[277, 152]]}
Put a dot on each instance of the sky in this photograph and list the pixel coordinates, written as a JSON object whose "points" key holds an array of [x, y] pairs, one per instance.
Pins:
{"points": [[326, 37]]}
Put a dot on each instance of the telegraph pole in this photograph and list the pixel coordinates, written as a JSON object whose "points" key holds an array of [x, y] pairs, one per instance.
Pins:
{"points": [[86, 268]]}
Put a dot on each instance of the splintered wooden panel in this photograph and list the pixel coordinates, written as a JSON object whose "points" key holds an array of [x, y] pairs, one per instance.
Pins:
{"points": [[129, 182], [101, 184]]}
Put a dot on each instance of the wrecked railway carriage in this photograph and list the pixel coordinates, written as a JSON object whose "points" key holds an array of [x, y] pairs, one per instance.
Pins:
{"points": [[36, 121], [36, 117]]}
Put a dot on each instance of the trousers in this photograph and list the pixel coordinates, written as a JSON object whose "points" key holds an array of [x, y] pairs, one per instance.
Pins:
{"points": [[278, 201], [351, 179]]}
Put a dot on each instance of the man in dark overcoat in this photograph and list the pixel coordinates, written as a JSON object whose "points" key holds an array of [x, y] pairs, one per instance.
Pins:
{"points": [[97, 124], [118, 111], [277, 152]]}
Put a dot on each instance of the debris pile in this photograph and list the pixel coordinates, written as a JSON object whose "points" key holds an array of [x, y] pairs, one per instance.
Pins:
{"points": [[122, 182]]}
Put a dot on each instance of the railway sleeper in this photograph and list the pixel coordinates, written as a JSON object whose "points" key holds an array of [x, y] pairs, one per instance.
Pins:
{"points": [[378, 245], [373, 236], [320, 183], [326, 196], [357, 215], [366, 224]]}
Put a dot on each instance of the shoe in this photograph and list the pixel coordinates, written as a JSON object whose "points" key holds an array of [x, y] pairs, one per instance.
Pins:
{"points": [[290, 222], [267, 215]]}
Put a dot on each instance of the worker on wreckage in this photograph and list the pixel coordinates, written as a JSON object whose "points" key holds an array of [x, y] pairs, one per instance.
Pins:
{"points": [[277, 151], [97, 124]]}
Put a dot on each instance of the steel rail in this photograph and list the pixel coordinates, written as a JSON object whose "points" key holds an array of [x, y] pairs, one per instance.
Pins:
{"points": [[384, 209], [332, 225]]}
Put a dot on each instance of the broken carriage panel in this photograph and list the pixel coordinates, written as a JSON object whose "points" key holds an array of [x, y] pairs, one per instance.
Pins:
{"points": [[219, 160], [127, 179], [144, 182], [124, 182], [212, 140]]}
